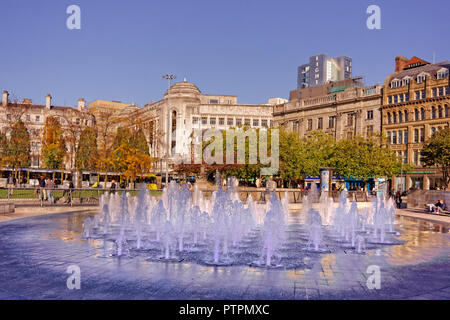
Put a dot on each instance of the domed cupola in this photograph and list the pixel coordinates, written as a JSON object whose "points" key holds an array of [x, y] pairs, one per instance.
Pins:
{"points": [[183, 89]]}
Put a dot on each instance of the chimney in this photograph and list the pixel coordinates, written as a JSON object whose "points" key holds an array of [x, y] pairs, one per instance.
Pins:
{"points": [[5, 98], [81, 104], [48, 101], [400, 63]]}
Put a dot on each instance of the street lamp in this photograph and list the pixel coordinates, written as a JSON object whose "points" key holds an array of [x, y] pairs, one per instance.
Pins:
{"points": [[169, 77]]}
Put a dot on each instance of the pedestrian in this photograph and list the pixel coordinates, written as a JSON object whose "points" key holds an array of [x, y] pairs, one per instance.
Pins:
{"points": [[42, 193], [11, 184], [398, 199], [112, 189], [49, 185], [68, 191]]}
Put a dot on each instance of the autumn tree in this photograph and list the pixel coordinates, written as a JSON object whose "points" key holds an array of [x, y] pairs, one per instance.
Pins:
{"points": [[130, 154], [53, 144], [87, 155], [16, 153], [436, 153]]}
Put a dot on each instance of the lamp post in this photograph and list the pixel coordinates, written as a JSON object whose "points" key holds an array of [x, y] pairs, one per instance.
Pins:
{"points": [[169, 78]]}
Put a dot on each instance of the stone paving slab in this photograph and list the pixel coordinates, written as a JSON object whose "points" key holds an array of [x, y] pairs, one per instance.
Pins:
{"points": [[36, 251]]}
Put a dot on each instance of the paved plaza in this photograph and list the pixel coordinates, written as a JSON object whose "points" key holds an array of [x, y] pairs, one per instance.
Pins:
{"points": [[35, 253]]}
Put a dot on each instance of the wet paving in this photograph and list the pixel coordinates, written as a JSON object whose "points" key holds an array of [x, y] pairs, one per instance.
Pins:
{"points": [[36, 252]]}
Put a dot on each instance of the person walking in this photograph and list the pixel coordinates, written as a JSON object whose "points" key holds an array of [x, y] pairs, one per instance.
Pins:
{"points": [[49, 185], [398, 199], [11, 184], [112, 189]]}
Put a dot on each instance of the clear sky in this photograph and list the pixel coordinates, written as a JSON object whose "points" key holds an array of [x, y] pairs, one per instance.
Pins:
{"points": [[248, 48]]}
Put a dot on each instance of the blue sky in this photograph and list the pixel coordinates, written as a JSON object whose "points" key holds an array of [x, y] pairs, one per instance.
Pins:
{"points": [[248, 48]]}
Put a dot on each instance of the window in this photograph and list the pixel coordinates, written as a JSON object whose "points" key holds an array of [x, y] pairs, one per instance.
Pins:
{"points": [[417, 95], [389, 99], [400, 98], [331, 121], [406, 116], [442, 74], [369, 131], [350, 120], [400, 117], [433, 130], [38, 119], [195, 120], [405, 136], [416, 157], [8, 117], [212, 121], [421, 78], [433, 113], [264, 123], [406, 96], [204, 120], [320, 123], [400, 137], [416, 135], [389, 137], [309, 124], [446, 111], [433, 92], [394, 137], [230, 121], [422, 114], [247, 122], [213, 101], [28, 117], [256, 122], [395, 117], [395, 99], [424, 94], [441, 91], [221, 121], [422, 134], [370, 114], [416, 115], [78, 121], [389, 118], [238, 121]]}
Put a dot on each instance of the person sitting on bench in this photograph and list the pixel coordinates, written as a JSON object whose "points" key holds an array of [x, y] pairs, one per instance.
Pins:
{"points": [[439, 207]]}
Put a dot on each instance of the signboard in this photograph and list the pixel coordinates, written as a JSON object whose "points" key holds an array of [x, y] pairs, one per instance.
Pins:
{"points": [[325, 180]]}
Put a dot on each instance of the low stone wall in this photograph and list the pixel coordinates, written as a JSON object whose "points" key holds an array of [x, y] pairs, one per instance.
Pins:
{"points": [[7, 207], [419, 198]]}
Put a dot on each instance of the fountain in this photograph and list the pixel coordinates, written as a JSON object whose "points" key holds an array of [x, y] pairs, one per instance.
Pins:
{"points": [[222, 230]]}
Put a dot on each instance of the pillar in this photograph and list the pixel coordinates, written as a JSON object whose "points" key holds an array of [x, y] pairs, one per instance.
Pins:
{"points": [[426, 182]]}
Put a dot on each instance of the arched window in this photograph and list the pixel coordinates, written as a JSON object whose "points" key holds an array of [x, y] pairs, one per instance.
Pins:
{"points": [[400, 117], [416, 115], [422, 114], [440, 111], [433, 113], [389, 118], [406, 116], [395, 117], [446, 111]]}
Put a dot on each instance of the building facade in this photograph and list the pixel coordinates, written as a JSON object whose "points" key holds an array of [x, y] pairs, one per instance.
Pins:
{"points": [[34, 116], [344, 114], [191, 109], [321, 69], [416, 100]]}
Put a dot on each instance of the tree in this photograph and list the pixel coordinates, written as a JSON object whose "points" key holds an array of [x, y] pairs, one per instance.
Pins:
{"points": [[291, 164], [130, 154], [436, 152], [316, 151], [365, 158], [16, 154], [53, 144], [87, 155]]}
